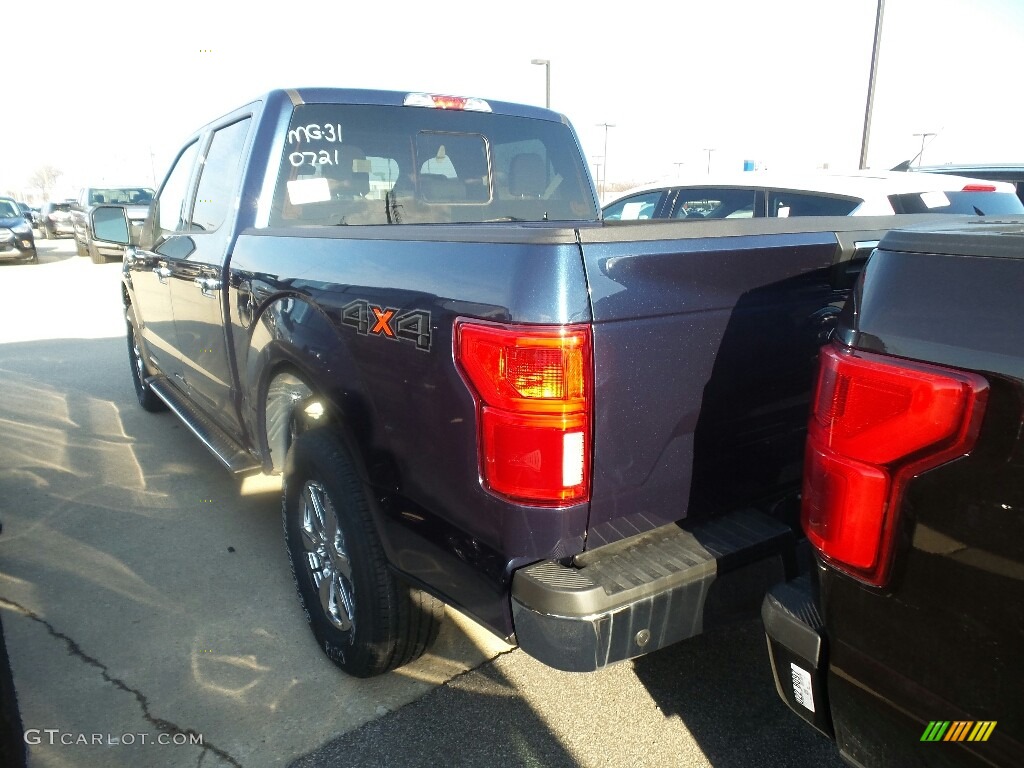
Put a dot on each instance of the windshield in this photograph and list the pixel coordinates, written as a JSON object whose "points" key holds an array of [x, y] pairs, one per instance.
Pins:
{"points": [[121, 196], [346, 164], [9, 209]]}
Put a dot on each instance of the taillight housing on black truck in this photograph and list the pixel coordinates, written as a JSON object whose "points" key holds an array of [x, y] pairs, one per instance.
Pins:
{"points": [[877, 422], [534, 390]]}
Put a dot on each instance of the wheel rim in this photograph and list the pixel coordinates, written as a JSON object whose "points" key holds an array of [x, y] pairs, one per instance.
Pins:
{"points": [[327, 559]]}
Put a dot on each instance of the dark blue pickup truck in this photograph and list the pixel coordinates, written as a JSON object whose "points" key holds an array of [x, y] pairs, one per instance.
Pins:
{"points": [[587, 436], [905, 642]]}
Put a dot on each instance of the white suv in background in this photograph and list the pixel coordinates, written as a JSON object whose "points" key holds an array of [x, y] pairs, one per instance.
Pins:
{"points": [[861, 193]]}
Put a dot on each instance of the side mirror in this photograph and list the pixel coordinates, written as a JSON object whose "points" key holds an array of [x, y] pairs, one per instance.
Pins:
{"points": [[110, 224]]}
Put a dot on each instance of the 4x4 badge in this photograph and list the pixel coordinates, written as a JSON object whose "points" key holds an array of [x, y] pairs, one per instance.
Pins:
{"points": [[371, 320]]}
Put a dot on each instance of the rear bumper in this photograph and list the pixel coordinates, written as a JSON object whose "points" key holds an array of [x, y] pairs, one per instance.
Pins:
{"points": [[641, 594], [798, 650]]}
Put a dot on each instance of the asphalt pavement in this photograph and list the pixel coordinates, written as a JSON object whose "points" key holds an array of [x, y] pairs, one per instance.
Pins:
{"points": [[151, 620]]}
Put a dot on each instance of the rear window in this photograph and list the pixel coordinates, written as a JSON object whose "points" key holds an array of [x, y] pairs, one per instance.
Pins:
{"points": [[363, 164], [971, 203]]}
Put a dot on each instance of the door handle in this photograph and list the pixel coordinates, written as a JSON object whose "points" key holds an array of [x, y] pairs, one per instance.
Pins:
{"points": [[208, 285], [162, 273]]}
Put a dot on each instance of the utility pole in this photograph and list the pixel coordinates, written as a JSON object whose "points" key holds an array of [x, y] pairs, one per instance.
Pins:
{"points": [[871, 85], [547, 79], [604, 183], [709, 150], [678, 165]]}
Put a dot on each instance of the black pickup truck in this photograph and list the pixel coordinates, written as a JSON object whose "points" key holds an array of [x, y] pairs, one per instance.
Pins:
{"points": [[905, 643], [586, 436]]}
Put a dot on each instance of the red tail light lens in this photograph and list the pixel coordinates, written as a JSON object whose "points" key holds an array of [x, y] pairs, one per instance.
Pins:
{"points": [[533, 386], [877, 422], [979, 188]]}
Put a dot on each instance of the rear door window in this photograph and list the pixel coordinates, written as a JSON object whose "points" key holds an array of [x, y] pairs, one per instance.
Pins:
{"points": [[219, 176], [783, 203], [718, 203]]}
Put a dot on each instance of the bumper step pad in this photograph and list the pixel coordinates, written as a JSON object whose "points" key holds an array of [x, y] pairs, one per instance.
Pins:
{"points": [[646, 592]]}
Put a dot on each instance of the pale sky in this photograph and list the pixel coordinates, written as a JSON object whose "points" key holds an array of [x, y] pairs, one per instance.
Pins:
{"points": [[111, 90]]}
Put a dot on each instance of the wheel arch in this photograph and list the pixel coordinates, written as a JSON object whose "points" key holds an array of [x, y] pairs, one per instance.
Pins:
{"points": [[301, 376]]}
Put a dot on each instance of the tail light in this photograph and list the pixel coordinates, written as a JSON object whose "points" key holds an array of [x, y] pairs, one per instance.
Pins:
{"points": [[533, 387], [877, 422], [979, 188]]}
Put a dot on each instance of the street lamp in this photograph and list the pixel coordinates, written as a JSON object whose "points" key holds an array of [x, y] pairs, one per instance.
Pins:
{"points": [[605, 179], [709, 150], [547, 79]]}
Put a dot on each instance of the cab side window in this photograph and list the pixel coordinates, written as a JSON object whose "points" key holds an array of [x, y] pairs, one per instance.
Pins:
{"points": [[170, 205]]}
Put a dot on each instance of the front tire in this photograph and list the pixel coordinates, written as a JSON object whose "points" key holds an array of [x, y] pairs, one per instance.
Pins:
{"points": [[94, 253], [147, 397], [365, 619]]}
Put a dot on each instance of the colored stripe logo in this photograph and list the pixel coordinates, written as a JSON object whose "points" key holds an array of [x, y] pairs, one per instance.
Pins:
{"points": [[959, 730]]}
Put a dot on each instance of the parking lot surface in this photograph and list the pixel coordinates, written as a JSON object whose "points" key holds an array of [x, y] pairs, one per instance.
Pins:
{"points": [[151, 619]]}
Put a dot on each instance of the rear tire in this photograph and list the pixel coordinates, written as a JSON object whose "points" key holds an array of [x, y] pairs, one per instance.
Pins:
{"points": [[147, 397], [365, 619]]}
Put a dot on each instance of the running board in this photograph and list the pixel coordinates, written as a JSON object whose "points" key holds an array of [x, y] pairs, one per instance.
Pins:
{"points": [[230, 453]]}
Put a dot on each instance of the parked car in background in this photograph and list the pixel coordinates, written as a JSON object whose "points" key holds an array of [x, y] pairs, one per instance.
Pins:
{"points": [[136, 201], [764, 193], [16, 240], [1008, 172], [905, 643], [55, 220], [31, 214]]}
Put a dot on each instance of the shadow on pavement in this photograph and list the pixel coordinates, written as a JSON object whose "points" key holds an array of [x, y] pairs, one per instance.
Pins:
{"points": [[478, 719], [720, 685]]}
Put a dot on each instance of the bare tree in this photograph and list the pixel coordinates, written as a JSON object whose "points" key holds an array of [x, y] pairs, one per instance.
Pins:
{"points": [[45, 179]]}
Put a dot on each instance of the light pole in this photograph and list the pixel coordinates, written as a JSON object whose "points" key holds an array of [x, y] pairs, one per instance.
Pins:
{"points": [[709, 150], [871, 85], [678, 164], [547, 79], [604, 182]]}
